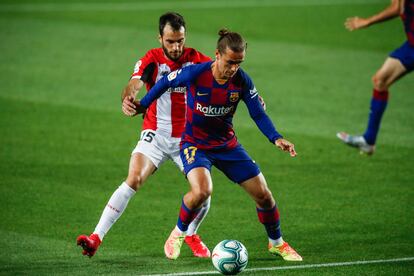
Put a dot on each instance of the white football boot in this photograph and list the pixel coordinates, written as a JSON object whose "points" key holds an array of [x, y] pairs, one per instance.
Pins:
{"points": [[356, 141]]}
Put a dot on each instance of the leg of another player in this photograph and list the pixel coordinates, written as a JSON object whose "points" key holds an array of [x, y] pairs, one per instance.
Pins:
{"points": [[140, 167], [195, 224], [268, 215], [193, 240], [201, 187], [390, 71]]}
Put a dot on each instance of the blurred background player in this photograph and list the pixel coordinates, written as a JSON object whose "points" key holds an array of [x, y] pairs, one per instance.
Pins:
{"points": [[214, 90], [162, 128], [399, 63]]}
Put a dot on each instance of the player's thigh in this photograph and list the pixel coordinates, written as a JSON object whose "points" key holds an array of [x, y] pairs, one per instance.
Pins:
{"points": [[390, 71], [257, 188], [200, 181], [193, 158], [140, 168], [147, 156], [197, 165], [151, 144], [171, 146], [236, 164]]}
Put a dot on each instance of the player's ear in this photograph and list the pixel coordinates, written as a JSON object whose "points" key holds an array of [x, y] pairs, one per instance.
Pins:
{"points": [[160, 39], [217, 54]]}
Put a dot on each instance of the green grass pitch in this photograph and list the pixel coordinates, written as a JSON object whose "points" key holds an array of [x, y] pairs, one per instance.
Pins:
{"points": [[65, 145]]}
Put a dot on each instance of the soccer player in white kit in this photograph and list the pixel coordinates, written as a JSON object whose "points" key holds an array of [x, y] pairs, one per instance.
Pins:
{"points": [[161, 133]]}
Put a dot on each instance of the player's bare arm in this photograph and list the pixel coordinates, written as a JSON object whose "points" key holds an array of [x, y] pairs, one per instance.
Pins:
{"points": [[128, 97], [285, 145], [393, 10]]}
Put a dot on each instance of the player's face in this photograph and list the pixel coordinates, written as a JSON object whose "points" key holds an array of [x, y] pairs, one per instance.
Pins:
{"points": [[172, 42], [229, 62]]}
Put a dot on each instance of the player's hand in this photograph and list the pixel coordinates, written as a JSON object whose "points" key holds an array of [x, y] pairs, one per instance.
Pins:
{"points": [[139, 109], [128, 106], [355, 23], [285, 145], [262, 102]]}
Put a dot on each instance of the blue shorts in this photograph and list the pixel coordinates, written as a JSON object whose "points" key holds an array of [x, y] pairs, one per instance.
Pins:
{"points": [[236, 164], [405, 54]]}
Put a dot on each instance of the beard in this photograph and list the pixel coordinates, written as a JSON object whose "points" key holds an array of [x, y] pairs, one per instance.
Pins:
{"points": [[174, 56]]}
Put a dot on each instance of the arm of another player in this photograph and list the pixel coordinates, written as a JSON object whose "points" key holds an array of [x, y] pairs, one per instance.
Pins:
{"points": [[173, 79], [160, 88], [129, 93], [393, 10]]}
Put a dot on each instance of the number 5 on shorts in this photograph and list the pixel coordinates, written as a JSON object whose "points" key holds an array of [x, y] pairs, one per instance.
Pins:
{"points": [[148, 136]]}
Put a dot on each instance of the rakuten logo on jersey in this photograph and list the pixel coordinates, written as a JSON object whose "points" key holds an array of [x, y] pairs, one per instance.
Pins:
{"points": [[213, 111]]}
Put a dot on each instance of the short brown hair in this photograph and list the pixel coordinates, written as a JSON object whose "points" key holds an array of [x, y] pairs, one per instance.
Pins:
{"points": [[232, 40], [175, 20]]}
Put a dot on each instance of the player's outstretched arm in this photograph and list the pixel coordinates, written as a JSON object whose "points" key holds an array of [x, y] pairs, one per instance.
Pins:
{"points": [[174, 79], [128, 97], [393, 10], [285, 145]]}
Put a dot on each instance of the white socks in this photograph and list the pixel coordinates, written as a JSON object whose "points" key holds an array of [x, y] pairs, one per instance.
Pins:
{"points": [[114, 209], [193, 227], [119, 201], [277, 242]]}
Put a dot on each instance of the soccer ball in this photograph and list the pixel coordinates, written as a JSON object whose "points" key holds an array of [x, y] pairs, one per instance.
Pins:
{"points": [[229, 257]]}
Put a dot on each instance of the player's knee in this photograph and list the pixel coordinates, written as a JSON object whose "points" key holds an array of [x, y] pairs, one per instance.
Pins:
{"points": [[265, 200], [135, 181], [201, 195], [379, 82]]}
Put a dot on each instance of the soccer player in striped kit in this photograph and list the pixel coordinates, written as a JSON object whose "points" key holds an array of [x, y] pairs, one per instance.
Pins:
{"points": [[214, 90], [399, 63], [161, 131]]}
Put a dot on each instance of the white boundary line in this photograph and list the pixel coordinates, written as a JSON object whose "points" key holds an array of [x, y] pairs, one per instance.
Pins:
{"points": [[407, 259]]}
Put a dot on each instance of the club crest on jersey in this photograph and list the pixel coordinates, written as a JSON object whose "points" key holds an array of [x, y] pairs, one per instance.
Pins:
{"points": [[234, 96]]}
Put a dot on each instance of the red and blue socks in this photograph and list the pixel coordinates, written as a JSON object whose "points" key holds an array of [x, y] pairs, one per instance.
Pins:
{"points": [[270, 219], [186, 216], [379, 103]]}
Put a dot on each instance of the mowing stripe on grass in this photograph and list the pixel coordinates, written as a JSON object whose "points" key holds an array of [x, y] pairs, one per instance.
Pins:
{"points": [[53, 7], [407, 259]]}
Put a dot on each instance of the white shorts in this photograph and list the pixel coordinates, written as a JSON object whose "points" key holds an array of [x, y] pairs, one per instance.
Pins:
{"points": [[159, 148]]}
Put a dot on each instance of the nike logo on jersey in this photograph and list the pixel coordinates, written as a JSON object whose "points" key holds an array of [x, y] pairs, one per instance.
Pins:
{"points": [[201, 94]]}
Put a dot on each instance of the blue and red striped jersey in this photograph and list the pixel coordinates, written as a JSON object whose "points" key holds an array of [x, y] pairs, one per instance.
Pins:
{"points": [[211, 106], [408, 20]]}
